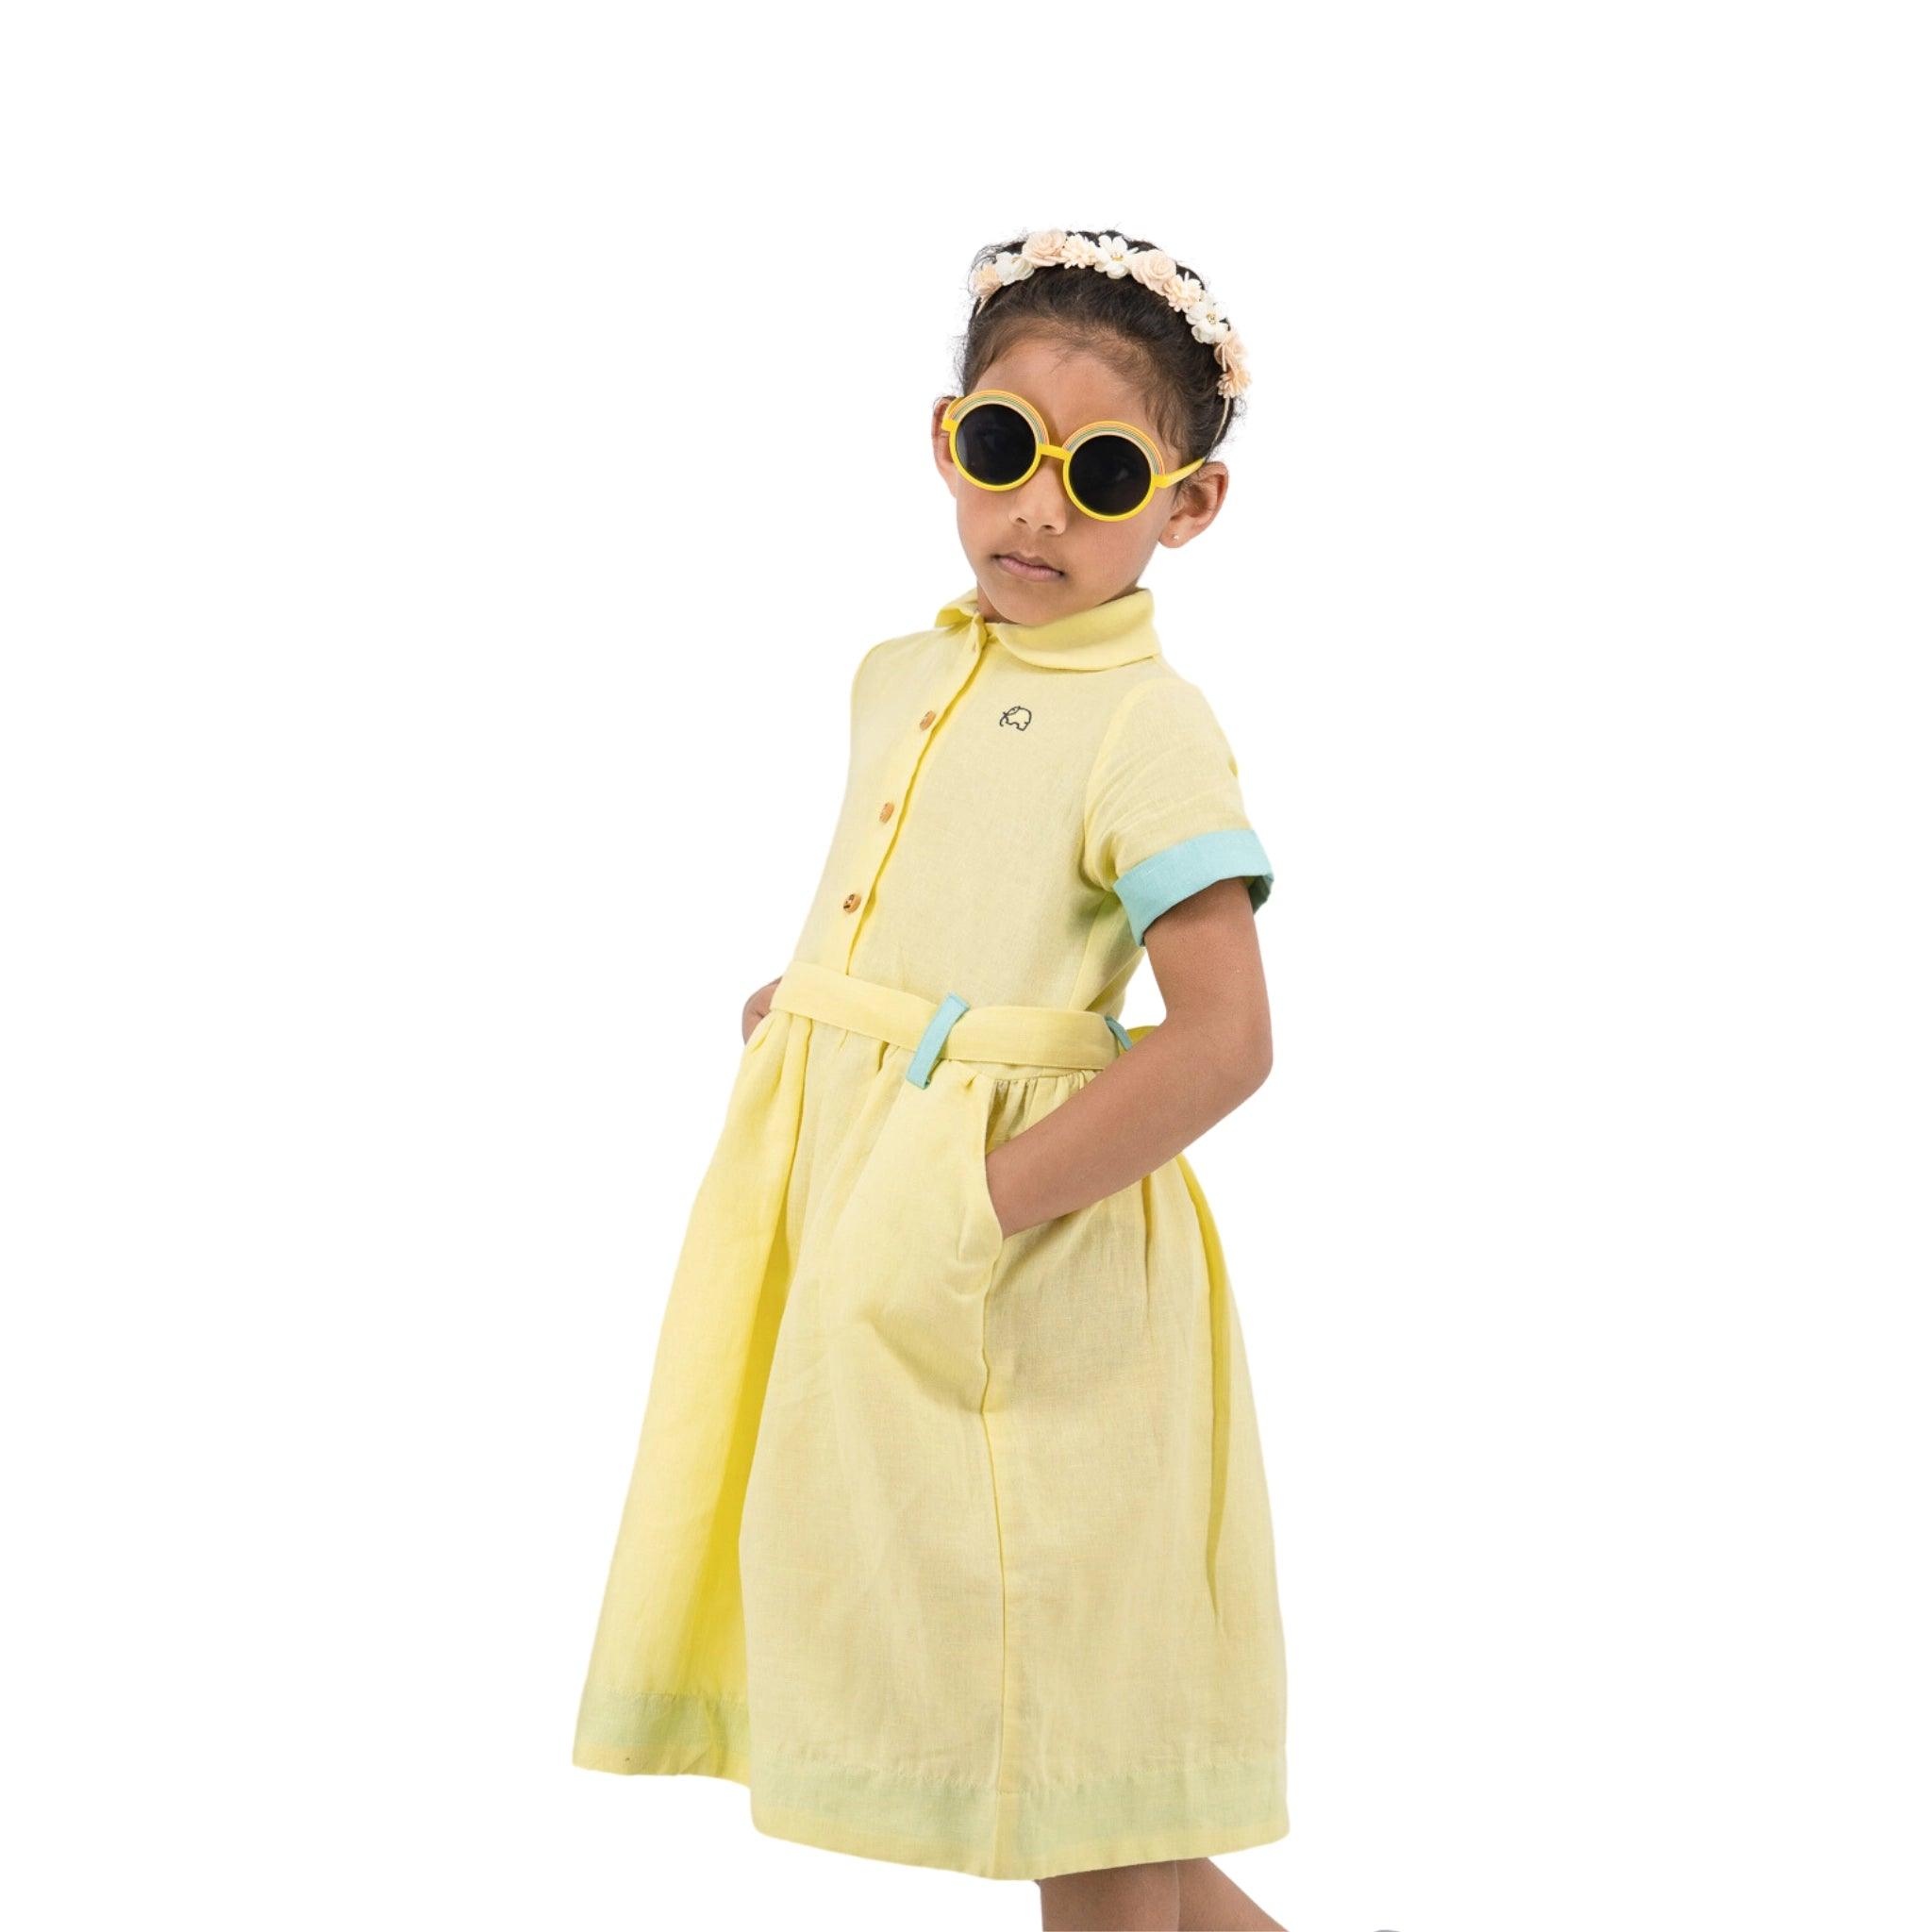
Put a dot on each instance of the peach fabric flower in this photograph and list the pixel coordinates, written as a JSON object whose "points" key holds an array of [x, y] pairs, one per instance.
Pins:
{"points": [[1046, 248], [1154, 267]]}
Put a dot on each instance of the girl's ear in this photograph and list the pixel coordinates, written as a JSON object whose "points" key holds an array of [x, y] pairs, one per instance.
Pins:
{"points": [[941, 451], [1197, 503]]}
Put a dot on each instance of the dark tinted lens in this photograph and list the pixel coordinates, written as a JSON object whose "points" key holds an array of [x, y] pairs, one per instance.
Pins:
{"points": [[994, 443], [1109, 474]]}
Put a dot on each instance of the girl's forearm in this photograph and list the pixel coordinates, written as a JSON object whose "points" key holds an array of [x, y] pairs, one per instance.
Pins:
{"points": [[1144, 1108]]}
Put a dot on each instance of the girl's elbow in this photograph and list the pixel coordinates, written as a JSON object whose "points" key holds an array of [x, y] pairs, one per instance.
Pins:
{"points": [[1247, 1061], [1264, 1056], [1260, 1061]]}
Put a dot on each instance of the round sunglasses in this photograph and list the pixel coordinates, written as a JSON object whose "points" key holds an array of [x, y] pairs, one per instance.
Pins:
{"points": [[1112, 469]]}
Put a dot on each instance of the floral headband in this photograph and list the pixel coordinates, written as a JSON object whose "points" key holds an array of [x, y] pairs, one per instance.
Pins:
{"points": [[1152, 267]]}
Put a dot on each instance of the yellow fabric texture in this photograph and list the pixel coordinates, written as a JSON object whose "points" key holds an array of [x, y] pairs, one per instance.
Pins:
{"points": [[955, 1549]]}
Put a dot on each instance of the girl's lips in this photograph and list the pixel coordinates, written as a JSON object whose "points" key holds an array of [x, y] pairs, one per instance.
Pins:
{"points": [[1033, 572]]}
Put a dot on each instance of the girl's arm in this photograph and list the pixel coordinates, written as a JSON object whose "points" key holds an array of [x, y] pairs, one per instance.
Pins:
{"points": [[1212, 1050]]}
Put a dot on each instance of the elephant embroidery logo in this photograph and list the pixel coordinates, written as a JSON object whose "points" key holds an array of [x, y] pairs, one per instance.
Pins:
{"points": [[1018, 716]]}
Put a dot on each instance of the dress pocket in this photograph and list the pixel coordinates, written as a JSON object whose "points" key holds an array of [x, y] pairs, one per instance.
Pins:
{"points": [[916, 1205], [900, 1270], [983, 1231], [982, 1198]]}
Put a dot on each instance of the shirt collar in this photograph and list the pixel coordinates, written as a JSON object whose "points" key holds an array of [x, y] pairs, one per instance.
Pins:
{"points": [[1097, 638]]}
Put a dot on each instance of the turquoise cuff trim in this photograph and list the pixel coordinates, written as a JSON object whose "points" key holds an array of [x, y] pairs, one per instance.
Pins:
{"points": [[1120, 1032], [927, 1051], [1167, 878]]}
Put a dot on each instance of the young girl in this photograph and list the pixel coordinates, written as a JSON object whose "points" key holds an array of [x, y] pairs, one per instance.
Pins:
{"points": [[948, 1534]]}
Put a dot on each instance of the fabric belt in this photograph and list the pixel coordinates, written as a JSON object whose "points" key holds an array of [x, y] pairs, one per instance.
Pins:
{"points": [[950, 1028]]}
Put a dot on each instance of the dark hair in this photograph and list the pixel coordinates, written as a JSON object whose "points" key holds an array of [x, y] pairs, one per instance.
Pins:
{"points": [[1118, 319]]}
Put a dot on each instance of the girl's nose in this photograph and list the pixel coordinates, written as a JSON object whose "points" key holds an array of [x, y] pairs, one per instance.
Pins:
{"points": [[1040, 502]]}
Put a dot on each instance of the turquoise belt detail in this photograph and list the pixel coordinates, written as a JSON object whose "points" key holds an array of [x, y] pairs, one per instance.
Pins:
{"points": [[927, 1051]]}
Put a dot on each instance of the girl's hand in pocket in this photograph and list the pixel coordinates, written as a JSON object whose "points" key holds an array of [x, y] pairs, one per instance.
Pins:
{"points": [[756, 1007]]}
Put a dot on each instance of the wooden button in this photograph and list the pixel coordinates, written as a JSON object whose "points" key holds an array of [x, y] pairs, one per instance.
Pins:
{"points": [[884, 811], [852, 902], [927, 720]]}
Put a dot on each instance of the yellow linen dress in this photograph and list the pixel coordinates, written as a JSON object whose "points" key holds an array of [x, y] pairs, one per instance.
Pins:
{"points": [[956, 1549]]}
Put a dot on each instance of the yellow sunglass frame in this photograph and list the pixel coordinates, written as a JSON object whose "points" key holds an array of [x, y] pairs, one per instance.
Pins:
{"points": [[1043, 447]]}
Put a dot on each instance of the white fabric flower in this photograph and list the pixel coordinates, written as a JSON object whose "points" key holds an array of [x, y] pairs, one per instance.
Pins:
{"points": [[1113, 252]]}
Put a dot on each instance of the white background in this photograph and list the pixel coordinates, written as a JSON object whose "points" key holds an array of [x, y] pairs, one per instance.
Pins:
{"points": [[427, 645]]}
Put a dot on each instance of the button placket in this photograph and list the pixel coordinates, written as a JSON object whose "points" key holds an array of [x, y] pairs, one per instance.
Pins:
{"points": [[918, 745]]}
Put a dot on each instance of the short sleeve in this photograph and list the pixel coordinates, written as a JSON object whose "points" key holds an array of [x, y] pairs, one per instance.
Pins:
{"points": [[1164, 813]]}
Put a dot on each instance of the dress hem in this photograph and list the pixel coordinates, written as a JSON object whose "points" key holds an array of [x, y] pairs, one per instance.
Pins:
{"points": [[1039, 1832], [1051, 1862]]}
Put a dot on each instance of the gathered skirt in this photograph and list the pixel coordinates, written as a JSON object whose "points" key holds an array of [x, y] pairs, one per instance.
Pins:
{"points": [[954, 1548]]}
